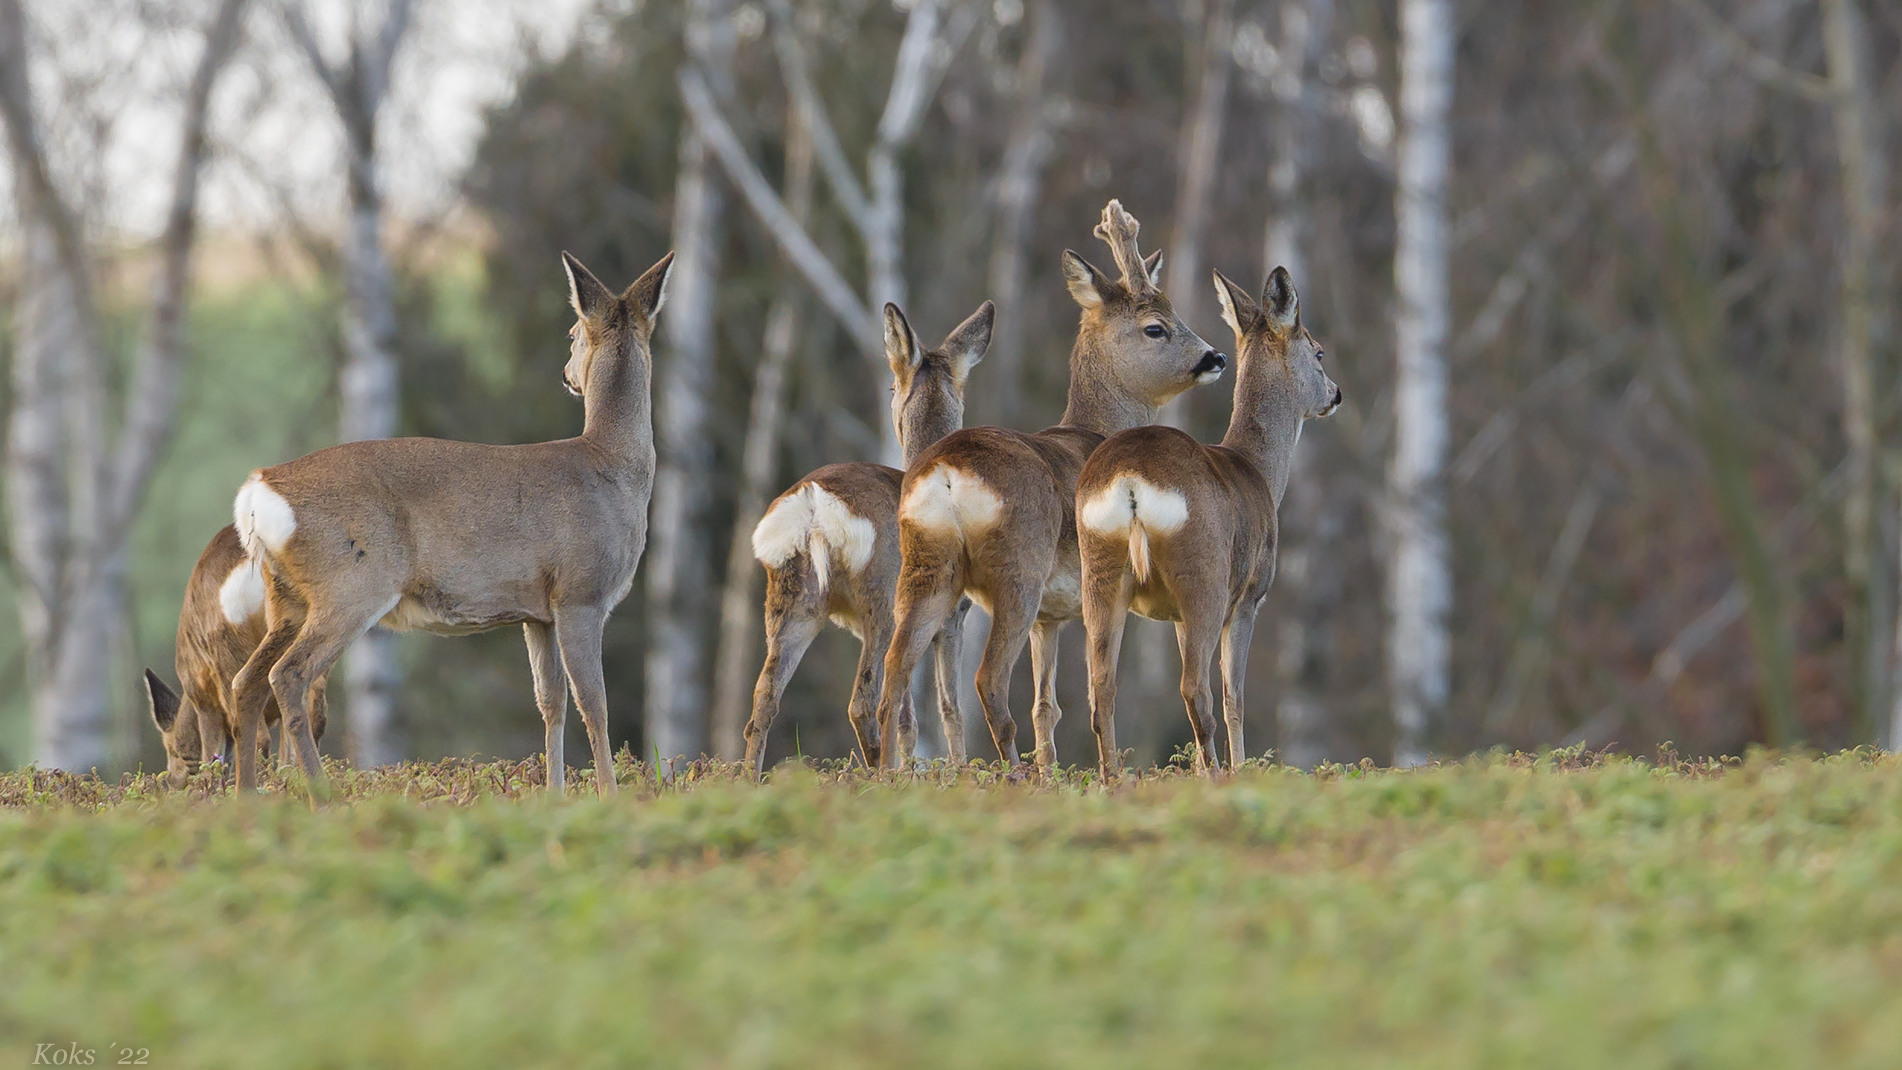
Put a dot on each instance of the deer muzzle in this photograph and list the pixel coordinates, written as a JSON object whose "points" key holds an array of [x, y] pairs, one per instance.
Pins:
{"points": [[1209, 368]]}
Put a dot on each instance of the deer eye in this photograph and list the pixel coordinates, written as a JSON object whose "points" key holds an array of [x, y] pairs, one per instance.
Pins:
{"points": [[1156, 330]]}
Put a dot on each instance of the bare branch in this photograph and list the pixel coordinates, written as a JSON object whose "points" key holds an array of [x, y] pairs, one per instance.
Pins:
{"points": [[29, 156], [298, 26], [825, 140], [1763, 67], [772, 213], [153, 400], [375, 75]]}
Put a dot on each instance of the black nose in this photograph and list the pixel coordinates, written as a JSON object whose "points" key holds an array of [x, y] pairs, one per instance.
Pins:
{"points": [[1337, 395], [1211, 362]]}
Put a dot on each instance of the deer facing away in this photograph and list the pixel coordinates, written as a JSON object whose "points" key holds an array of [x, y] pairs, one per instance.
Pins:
{"points": [[458, 537], [989, 513], [1183, 532], [830, 547], [219, 625]]}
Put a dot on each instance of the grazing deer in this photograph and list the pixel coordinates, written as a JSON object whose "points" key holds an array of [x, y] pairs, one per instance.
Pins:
{"points": [[990, 513], [220, 624], [1183, 532], [456, 537], [830, 547]]}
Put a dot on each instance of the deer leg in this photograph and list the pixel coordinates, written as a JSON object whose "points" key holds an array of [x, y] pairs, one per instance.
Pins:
{"points": [[1197, 638], [210, 711], [326, 634], [946, 650], [551, 698], [251, 689], [1235, 639], [926, 596], [1106, 595], [1045, 713], [791, 626], [578, 632], [868, 684], [1012, 617]]}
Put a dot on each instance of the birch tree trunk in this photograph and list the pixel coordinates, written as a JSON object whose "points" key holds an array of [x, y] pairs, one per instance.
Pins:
{"points": [[1419, 577], [1310, 569], [1861, 161], [679, 574], [1019, 182], [739, 598], [1157, 657], [367, 384], [70, 508]]}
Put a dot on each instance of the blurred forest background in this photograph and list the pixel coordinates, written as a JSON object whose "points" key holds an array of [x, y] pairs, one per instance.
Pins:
{"points": [[1665, 494]]}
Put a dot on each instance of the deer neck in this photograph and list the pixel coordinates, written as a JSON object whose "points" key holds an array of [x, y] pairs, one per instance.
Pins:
{"points": [[1095, 402], [618, 407], [919, 430], [1266, 422]]}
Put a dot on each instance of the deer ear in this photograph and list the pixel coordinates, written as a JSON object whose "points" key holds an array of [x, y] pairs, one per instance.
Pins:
{"points": [[585, 292], [1238, 309], [164, 701], [968, 341], [902, 350], [649, 292], [1152, 266], [1089, 286], [1280, 303]]}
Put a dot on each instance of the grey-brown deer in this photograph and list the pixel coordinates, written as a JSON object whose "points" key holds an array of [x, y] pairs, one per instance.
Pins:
{"points": [[457, 537], [1183, 532], [219, 625], [989, 513], [830, 547]]}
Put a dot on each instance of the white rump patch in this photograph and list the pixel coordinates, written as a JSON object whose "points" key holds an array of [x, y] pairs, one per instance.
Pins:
{"points": [[814, 520], [264, 519], [242, 594], [1134, 507], [951, 499]]}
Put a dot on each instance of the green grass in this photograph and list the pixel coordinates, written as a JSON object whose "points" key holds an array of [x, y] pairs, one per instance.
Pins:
{"points": [[1507, 912]]}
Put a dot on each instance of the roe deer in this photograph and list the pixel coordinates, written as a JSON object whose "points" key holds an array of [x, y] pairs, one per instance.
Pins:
{"points": [[990, 513], [219, 625], [830, 546], [456, 537], [1184, 532]]}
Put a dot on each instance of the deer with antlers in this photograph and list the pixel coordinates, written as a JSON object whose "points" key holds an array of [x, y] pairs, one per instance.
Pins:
{"points": [[1183, 532], [989, 513], [219, 625], [830, 547], [457, 537]]}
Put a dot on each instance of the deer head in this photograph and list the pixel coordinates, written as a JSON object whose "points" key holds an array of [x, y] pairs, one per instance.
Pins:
{"points": [[1270, 340], [1131, 346], [607, 326], [928, 385]]}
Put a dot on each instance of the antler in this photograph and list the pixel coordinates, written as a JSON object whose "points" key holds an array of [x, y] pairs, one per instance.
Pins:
{"points": [[1118, 230]]}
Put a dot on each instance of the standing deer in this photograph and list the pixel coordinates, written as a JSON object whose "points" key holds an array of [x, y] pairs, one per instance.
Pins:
{"points": [[830, 547], [456, 537], [1183, 532], [990, 513], [220, 624]]}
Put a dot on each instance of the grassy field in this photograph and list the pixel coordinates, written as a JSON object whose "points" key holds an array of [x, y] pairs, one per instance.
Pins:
{"points": [[1565, 911]]}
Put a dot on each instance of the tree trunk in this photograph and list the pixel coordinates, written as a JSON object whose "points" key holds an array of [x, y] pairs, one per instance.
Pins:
{"points": [[1419, 578], [739, 599], [367, 388], [1310, 563], [679, 574], [1019, 182], [1861, 162]]}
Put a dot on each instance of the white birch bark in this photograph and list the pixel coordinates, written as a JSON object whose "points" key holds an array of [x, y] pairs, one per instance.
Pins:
{"points": [[1019, 181], [71, 497], [1861, 162], [679, 574], [1419, 577], [368, 382], [1310, 569], [739, 597]]}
